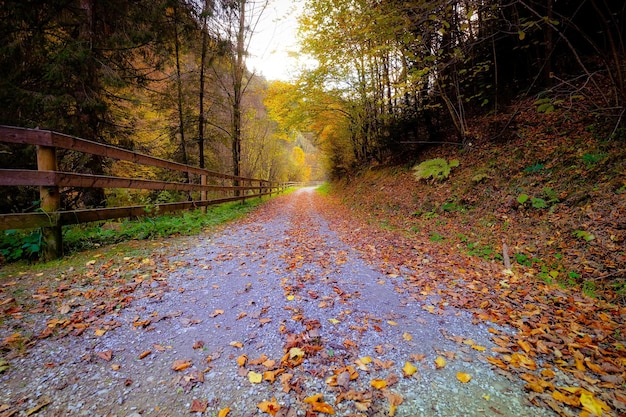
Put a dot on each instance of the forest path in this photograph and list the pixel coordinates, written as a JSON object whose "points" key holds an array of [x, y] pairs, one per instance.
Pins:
{"points": [[275, 306]]}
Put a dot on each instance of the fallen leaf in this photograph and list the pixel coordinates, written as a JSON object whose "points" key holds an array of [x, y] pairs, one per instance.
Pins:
{"points": [[321, 407], [463, 377], [479, 348], [116, 367], [407, 336], [216, 313], [254, 377], [314, 398], [100, 332], [241, 360], [334, 321], [378, 383], [199, 344], [223, 412], [106, 355], [144, 354], [296, 353], [198, 406], [238, 345], [43, 401], [181, 364], [409, 369], [592, 404], [270, 407], [392, 323], [440, 362]]}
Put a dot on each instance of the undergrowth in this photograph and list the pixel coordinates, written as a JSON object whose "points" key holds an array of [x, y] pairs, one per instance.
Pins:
{"points": [[26, 245]]}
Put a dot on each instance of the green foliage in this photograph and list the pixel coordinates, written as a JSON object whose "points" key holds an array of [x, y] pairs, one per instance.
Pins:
{"points": [[538, 203], [522, 198], [591, 159], [534, 168], [16, 245], [436, 237], [583, 234], [437, 169], [523, 259]]}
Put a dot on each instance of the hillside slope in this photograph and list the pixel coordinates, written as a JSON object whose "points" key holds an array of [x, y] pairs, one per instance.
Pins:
{"points": [[550, 193]]}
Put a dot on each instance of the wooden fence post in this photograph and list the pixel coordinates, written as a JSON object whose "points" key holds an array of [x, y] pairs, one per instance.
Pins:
{"points": [[52, 236], [203, 194]]}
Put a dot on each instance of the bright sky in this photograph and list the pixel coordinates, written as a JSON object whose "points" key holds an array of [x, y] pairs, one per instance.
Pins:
{"points": [[274, 39]]}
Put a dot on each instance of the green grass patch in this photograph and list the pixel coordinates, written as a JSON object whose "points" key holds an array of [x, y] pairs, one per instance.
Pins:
{"points": [[25, 245]]}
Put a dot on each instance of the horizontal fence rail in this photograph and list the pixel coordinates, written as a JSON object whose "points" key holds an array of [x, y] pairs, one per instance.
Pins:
{"points": [[50, 181]]}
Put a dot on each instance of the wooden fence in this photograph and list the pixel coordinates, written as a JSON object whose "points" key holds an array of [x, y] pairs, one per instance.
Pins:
{"points": [[51, 181]]}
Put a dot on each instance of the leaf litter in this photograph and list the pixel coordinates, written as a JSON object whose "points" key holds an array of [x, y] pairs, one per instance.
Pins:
{"points": [[380, 354]]}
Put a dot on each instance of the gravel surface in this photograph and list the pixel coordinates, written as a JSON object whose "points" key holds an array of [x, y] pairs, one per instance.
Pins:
{"points": [[277, 281]]}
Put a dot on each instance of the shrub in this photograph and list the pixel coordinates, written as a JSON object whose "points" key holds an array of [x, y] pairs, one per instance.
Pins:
{"points": [[437, 169]]}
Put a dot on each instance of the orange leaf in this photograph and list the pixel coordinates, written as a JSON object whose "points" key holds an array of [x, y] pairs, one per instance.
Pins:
{"points": [[241, 360], [181, 364], [566, 399], [238, 345], [270, 407], [216, 313], [144, 354], [322, 408], [379, 383], [223, 412], [314, 398], [524, 345], [107, 355]]}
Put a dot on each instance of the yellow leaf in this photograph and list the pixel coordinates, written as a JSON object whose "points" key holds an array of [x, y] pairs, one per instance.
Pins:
{"points": [[290, 297], [223, 412], [440, 362], [379, 383], [270, 407], [255, 378], [295, 353], [479, 348], [593, 405], [409, 369], [407, 336], [524, 345], [392, 323], [463, 377], [241, 360], [334, 321], [100, 332], [366, 360], [238, 345]]}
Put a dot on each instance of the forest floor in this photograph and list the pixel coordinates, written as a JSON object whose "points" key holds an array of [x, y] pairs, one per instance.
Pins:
{"points": [[302, 309]]}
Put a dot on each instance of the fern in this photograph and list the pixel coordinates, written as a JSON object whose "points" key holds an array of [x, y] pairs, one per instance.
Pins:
{"points": [[438, 169]]}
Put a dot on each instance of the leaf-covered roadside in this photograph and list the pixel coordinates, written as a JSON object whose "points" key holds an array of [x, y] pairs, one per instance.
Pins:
{"points": [[548, 198], [66, 300]]}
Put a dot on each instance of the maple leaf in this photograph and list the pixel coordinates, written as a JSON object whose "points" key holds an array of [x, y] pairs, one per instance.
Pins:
{"points": [[270, 407], [409, 369]]}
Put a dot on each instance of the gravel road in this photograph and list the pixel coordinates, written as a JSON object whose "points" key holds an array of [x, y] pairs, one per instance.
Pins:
{"points": [[278, 297]]}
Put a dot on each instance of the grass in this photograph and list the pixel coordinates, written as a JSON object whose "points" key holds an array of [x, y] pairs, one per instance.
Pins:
{"points": [[80, 238]]}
